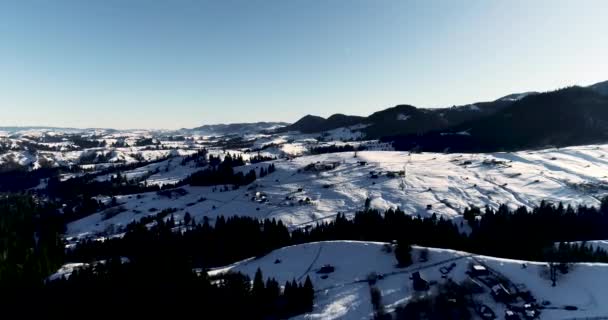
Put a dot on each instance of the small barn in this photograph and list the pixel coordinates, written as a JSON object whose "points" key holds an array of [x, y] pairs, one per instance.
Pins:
{"points": [[326, 165], [478, 270], [511, 315], [328, 268]]}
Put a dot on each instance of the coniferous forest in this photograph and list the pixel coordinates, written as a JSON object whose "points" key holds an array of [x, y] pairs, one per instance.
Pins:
{"points": [[152, 261]]}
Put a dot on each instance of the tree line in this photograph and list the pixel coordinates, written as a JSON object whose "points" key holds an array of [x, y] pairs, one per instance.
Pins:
{"points": [[167, 251], [335, 148], [169, 286], [78, 193], [520, 234]]}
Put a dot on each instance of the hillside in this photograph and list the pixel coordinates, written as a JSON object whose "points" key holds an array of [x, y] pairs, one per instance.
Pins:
{"points": [[572, 116], [600, 87], [235, 128], [316, 124], [345, 293], [398, 120], [444, 184]]}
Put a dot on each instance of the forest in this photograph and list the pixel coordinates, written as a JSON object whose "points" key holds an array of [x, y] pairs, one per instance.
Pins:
{"points": [[172, 254]]}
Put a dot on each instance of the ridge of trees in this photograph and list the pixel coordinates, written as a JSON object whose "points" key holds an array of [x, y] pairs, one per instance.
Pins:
{"points": [[164, 253]]}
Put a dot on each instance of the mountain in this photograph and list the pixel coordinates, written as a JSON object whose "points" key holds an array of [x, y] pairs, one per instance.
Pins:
{"points": [[600, 87], [236, 128], [575, 115], [517, 96], [565, 117], [399, 120], [314, 124]]}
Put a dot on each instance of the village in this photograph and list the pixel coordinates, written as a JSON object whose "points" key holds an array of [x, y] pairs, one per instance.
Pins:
{"points": [[488, 288]]}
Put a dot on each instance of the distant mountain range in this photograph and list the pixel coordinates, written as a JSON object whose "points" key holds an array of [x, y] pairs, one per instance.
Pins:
{"points": [[403, 119], [237, 128], [565, 117], [575, 115]]}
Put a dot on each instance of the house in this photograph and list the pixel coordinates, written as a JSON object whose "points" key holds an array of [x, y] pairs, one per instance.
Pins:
{"points": [[530, 311], [327, 165], [478, 270], [418, 282], [511, 315], [328, 268], [260, 197]]}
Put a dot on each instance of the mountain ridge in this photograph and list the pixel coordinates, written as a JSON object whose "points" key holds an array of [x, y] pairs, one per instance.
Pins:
{"points": [[560, 117], [564, 117]]}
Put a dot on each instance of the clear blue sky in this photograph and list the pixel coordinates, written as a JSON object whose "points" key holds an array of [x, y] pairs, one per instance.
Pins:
{"points": [[172, 64]]}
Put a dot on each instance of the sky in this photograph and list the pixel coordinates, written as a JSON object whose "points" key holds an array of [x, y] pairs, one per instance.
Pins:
{"points": [[173, 64]]}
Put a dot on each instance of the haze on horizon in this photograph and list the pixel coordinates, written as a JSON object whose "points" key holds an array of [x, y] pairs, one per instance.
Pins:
{"points": [[173, 64]]}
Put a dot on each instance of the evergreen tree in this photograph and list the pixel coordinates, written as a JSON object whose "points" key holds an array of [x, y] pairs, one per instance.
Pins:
{"points": [[258, 284], [309, 294], [403, 253]]}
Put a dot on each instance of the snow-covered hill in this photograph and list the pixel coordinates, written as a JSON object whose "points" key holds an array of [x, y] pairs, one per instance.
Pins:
{"points": [[344, 294], [419, 184]]}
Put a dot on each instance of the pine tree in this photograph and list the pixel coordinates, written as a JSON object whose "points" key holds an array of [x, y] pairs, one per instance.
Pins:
{"points": [[309, 294], [258, 293], [258, 284], [403, 253]]}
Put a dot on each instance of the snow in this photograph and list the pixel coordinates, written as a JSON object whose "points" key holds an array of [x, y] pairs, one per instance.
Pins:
{"points": [[459, 133], [295, 149], [448, 182], [168, 171], [65, 271], [516, 96], [343, 134], [403, 117], [601, 244], [345, 293], [473, 107]]}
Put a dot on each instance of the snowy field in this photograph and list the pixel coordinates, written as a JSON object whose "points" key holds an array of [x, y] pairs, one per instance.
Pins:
{"points": [[428, 183], [345, 293]]}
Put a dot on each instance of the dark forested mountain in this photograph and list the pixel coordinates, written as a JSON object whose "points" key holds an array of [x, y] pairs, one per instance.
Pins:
{"points": [[517, 96], [401, 119], [564, 117], [520, 120], [406, 119], [314, 124], [600, 87]]}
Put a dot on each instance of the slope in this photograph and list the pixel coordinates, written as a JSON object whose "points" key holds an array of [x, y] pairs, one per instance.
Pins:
{"points": [[344, 294], [444, 184], [571, 116]]}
